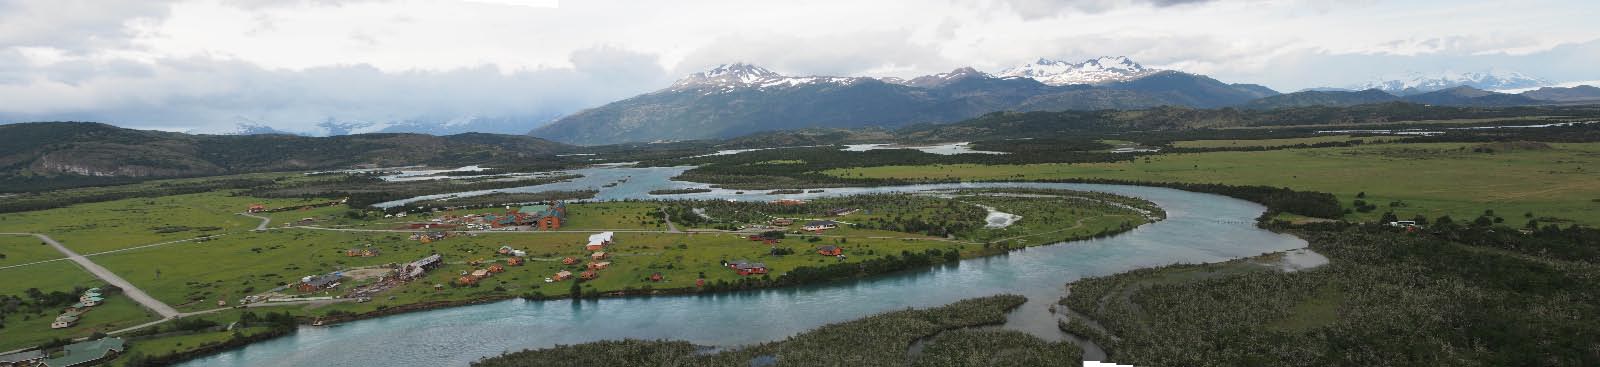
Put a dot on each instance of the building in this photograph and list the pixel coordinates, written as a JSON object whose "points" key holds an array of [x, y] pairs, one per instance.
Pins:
{"points": [[599, 256], [514, 261], [562, 275], [496, 268], [783, 222], [655, 277], [466, 280], [256, 208], [840, 211], [481, 273], [28, 358], [830, 250], [415, 269], [599, 265], [544, 217], [750, 268], [87, 353], [313, 283], [821, 225], [569, 261], [588, 275], [66, 320], [362, 252], [599, 241]]}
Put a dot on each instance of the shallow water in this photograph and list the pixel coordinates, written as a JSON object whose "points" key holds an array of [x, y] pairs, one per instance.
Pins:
{"points": [[1199, 228]]}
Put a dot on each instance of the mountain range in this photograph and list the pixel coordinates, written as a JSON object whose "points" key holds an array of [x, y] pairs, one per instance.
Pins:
{"points": [[1418, 83], [1461, 96], [738, 99]]}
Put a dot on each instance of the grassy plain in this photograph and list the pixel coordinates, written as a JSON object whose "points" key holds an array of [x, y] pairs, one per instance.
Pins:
{"points": [[25, 328], [23, 249], [1247, 143], [1561, 183]]}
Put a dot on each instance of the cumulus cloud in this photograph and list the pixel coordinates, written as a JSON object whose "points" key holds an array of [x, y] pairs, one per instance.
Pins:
{"points": [[75, 25]]}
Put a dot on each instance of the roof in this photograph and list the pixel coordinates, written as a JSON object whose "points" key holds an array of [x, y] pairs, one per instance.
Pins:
{"points": [[749, 265], [427, 260], [564, 273], [22, 356], [531, 209], [67, 318], [598, 253], [322, 280], [600, 238], [82, 353]]}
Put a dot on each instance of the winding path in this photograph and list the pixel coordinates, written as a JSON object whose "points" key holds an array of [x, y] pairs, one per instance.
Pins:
{"points": [[264, 221], [128, 289]]}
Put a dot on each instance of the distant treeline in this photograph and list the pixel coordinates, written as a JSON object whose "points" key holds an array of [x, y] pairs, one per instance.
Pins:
{"points": [[58, 199], [1276, 199]]}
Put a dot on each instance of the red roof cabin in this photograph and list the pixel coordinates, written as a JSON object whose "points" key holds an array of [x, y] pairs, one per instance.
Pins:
{"points": [[830, 250], [562, 275], [599, 265], [569, 261], [588, 274], [655, 277]]}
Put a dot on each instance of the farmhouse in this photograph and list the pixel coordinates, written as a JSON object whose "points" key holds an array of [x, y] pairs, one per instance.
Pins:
{"points": [[750, 268], [599, 241], [830, 250], [821, 225], [562, 275], [313, 283]]}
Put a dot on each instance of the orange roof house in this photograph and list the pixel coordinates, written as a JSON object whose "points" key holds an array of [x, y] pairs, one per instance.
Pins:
{"points": [[655, 277], [562, 275], [599, 255], [599, 265], [830, 250], [515, 261], [496, 268], [569, 261], [587, 275]]}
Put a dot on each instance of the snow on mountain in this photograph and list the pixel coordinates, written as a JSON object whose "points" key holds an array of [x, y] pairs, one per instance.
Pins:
{"points": [[1417, 83], [940, 79], [1094, 71], [729, 77]]}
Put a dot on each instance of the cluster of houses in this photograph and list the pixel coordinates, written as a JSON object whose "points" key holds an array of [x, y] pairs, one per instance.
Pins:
{"points": [[533, 217], [597, 258], [313, 283], [86, 302], [820, 225], [429, 237]]}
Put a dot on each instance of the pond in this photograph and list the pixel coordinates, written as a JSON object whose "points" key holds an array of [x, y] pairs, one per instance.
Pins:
{"points": [[1199, 228]]}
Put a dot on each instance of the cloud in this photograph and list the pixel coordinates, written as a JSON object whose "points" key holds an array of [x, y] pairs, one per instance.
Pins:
{"points": [[834, 54], [73, 25], [214, 95], [1035, 9]]}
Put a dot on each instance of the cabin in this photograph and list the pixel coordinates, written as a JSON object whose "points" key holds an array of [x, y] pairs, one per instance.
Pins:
{"points": [[313, 283], [496, 268], [830, 250], [481, 273], [733, 264], [256, 208], [514, 261], [505, 250], [656, 277], [588, 275], [599, 241], [599, 265], [783, 222], [568, 261], [821, 225], [65, 321], [466, 280], [599, 256], [562, 275], [750, 268]]}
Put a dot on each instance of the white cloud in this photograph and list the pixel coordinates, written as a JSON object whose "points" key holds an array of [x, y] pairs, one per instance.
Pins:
{"points": [[211, 63]]}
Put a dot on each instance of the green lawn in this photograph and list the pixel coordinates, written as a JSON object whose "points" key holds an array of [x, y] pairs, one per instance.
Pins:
{"points": [[96, 227], [1429, 179], [25, 249], [25, 329], [1277, 142]]}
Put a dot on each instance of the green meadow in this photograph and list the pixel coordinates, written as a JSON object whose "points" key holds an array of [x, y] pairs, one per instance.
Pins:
{"points": [[1560, 184], [23, 249], [23, 328], [1268, 143]]}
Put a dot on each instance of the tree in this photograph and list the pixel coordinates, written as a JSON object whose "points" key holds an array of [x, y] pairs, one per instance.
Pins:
{"points": [[577, 290], [1389, 217]]}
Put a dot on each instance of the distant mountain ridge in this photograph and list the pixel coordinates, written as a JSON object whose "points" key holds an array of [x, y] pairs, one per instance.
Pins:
{"points": [[737, 99], [1418, 83]]}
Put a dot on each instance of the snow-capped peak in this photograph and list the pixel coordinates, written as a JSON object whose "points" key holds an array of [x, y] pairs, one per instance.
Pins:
{"points": [[934, 80], [1414, 83], [1100, 70], [729, 77]]}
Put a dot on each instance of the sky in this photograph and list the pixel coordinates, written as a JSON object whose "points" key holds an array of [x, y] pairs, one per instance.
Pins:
{"points": [[212, 66]]}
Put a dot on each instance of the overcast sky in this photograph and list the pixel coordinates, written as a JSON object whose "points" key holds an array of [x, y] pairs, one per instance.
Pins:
{"points": [[211, 65]]}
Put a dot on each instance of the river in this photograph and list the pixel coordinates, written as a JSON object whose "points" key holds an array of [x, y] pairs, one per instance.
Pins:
{"points": [[1199, 228]]}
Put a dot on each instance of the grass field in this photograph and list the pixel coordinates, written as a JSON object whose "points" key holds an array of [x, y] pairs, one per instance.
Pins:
{"points": [[104, 226], [24, 249], [1278, 142], [1561, 183], [24, 329]]}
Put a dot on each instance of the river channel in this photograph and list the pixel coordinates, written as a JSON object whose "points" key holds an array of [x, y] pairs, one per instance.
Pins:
{"points": [[1199, 228]]}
